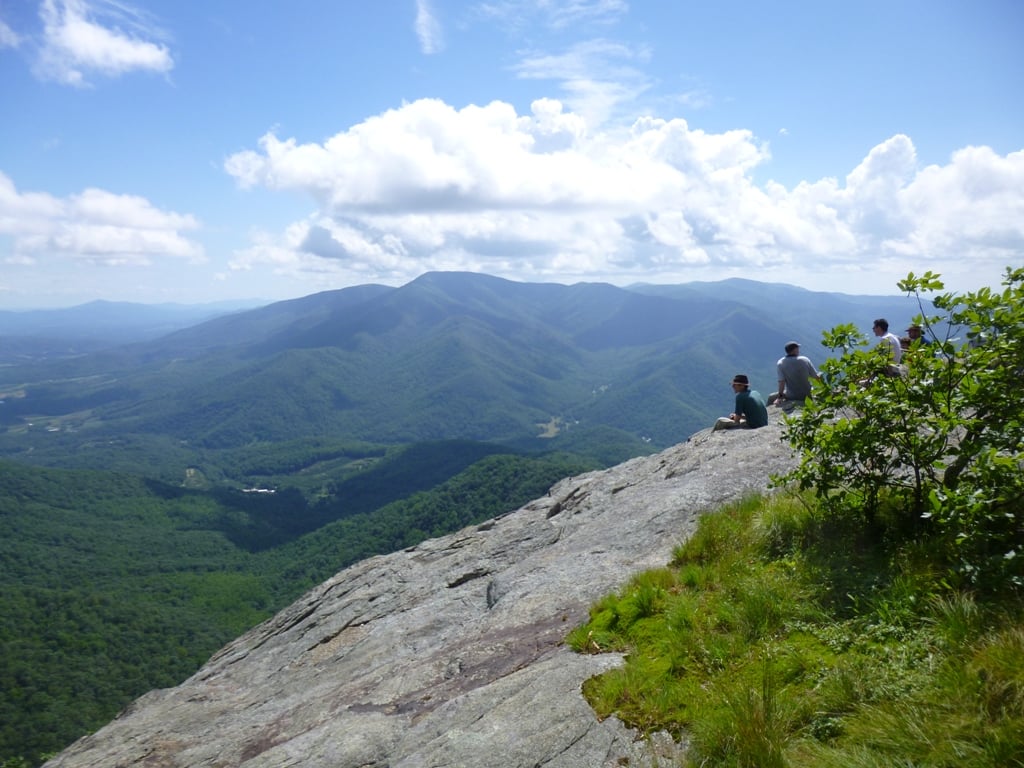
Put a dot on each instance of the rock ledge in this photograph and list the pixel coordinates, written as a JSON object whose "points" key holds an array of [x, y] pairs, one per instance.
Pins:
{"points": [[449, 653]]}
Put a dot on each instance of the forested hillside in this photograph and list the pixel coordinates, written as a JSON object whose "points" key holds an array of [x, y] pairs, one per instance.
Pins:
{"points": [[112, 585]]}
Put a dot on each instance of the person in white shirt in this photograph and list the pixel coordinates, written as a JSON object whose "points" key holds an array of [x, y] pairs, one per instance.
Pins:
{"points": [[892, 341]]}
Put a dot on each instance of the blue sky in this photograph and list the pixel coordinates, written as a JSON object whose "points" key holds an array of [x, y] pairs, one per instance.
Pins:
{"points": [[172, 151]]}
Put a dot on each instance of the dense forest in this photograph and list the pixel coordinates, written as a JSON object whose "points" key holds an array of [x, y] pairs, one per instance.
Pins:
{"points": [[112, 585]]}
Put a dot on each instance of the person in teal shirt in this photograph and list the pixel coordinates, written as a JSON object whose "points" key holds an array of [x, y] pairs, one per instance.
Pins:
{"points": [[750, 413]]}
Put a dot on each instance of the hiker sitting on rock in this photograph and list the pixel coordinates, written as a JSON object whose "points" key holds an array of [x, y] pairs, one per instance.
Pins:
{"points": [[750, 413], [795, 374]]}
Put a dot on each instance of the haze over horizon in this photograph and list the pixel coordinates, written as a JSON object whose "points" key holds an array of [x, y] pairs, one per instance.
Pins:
{"points": [[157, 151]]}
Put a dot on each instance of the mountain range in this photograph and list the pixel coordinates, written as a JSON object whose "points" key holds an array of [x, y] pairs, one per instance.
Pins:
{"points": [[446, 356]]}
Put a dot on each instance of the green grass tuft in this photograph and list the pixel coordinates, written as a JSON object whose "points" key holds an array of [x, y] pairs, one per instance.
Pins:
{"points": [[778, 637]]}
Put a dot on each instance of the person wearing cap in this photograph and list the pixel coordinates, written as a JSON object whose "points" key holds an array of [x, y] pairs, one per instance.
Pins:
{"points": [[915, 333], [794, 373], [750, 413]]}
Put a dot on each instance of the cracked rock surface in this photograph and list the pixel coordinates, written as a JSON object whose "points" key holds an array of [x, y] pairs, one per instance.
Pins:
{"points": [[448, 654]]}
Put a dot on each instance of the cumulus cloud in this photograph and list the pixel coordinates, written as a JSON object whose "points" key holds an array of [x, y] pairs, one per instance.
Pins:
{"points": [[84, 37], [94, 226], [540, 195], [974, 205]]}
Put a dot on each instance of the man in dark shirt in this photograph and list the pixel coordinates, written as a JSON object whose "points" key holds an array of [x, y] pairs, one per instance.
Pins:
{"points": [[750, 412], [915, 333]]}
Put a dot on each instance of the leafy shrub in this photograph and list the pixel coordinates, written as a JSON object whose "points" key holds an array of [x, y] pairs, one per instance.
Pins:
{"points": [[943, 445]]}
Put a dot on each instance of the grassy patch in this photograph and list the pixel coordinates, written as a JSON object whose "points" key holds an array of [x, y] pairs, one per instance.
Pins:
{"points": [[777, 637]]}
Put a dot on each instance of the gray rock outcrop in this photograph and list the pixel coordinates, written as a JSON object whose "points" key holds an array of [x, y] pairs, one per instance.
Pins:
{"points": [[449, 653]]}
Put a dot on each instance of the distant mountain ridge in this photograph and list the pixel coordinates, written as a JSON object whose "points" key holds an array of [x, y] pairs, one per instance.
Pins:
{"points": [[446, 356], [99, 324], [799, 306]]}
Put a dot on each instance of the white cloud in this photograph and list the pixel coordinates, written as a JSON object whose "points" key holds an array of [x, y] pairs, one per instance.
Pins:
{"points": [[597, 76], [555, 14], [95, 226], [428, 28], [542, 196], [84, 37], [573, 12], [975, 204], [8, 37]]}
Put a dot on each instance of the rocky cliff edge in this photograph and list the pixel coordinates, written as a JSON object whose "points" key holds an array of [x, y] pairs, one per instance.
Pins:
{"points": [[448, 654]]}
